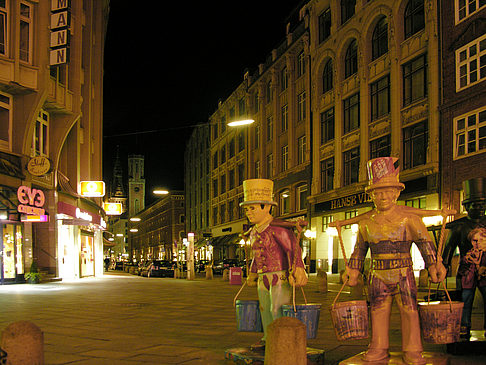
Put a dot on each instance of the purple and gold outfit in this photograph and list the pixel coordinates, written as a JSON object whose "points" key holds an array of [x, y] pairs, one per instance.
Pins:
{"points": [[391, 274], [275, 249]]}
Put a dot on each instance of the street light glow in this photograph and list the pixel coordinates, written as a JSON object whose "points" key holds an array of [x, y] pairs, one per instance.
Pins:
{"points": [[160, 192], [133, 230], [135, 219], [238, 123]]}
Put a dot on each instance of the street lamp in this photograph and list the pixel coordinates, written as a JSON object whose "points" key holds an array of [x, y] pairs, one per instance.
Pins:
{"points": [[160, 192], [239, 123]]}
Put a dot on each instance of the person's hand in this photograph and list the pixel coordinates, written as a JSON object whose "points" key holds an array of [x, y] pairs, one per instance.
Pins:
{"points": [[351, 276], [252, 279], [298, 277], [437, 272]]}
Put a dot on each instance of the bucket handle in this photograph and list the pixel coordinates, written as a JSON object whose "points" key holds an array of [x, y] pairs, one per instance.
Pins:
{"points": [[239, 291], [339, 293], [293, 296]]}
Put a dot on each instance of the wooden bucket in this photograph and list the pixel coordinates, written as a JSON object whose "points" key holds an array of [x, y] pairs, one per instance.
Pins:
{"points": [[350, 319], [440, 322], [248, 318]]}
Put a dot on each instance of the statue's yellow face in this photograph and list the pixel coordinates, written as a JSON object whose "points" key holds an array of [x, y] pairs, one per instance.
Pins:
{"points": [[385, 198], [256, 214]]}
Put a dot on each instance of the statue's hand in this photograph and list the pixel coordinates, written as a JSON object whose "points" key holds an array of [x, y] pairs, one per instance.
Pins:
{"points": [[298, 277], [252, 279], [351, 275], [437, 272]]}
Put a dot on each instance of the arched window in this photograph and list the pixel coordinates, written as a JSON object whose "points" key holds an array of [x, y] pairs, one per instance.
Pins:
{"points": [[351, 59], [327, 82], [379, 40], [414, 17]]}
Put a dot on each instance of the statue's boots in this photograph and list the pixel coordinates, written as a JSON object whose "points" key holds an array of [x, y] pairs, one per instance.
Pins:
{"points": [[380, 324], [375, 355], [413, 358]]}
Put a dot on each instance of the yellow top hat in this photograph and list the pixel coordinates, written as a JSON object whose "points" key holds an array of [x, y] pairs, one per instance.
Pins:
{"points": [[258, 191], [383, 173]]}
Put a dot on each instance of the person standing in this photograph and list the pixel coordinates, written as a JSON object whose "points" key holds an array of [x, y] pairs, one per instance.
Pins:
{"points": [[277, 257], [468, 278], [388, 231]]}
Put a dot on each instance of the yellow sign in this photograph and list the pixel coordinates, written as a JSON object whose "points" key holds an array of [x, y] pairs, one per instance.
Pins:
{"points": [[112, 208], [92, 188], [39, 165]]}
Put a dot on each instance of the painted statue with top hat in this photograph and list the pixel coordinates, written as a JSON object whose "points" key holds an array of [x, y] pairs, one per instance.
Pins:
{"points": [[277, 257], [469, 235], [388, 231]]}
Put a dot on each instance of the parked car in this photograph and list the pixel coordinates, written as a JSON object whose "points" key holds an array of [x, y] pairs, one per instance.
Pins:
{"points": [[159, 268], [220, 265], [200, 266], [118, 265]]}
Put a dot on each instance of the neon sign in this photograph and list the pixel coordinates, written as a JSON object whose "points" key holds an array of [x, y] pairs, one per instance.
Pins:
{"points": [[32, 200]]}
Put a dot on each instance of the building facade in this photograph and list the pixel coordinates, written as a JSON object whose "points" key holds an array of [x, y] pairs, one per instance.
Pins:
{"points": [[159, 231], [51, 72], [463, 104]]}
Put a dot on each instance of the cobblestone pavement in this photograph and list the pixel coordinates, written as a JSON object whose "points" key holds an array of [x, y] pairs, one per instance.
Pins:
{"points": [[125, 319]]}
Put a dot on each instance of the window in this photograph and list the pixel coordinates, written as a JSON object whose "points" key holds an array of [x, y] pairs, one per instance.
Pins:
{"points": [[40, 142], [231, 148], [301, 106], [269, 165], [223, 124], [324, 25], [231, 208], [379, 39], [241, 107], [470, 133], [300, 64], [284, 79], [285, 117], [25, 46], [327, 79], [241, 141], [215, 188], [380, 97], [471, 63], [256, 103], [222, 181], [351, 113], [351, 59], [347, 10], [301, 149], [257, 136], [327, 125], [327, 174], [231, 176], [415, 139], [414, 80], [231, 114], [285, 202], [269, 128], [326, 220], [465, 8], [215, 131], [215, 215], [285, 158], [302, 194], [414, 17], [222, 212], [419, 203], [3, 27], [348, 215], [5, 122], [268, 92], [380, 147], [223, 154], [257, 170], [241, 174], [351, 166]]}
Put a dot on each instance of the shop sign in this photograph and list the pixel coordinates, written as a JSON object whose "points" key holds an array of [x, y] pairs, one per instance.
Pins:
{"points": [[92, 188], [83, 215], [39, 165], [32, 200], [60, 22], [344, 202], [112, 208]]}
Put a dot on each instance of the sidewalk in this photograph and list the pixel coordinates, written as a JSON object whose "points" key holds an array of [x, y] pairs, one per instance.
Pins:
{"points": [[125, 319]]}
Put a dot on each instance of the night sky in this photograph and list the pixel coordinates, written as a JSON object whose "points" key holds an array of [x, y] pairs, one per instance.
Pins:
{"points": [[166, 67]]}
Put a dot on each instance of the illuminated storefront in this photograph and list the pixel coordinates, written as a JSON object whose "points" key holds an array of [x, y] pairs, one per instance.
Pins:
{"points": [[80, 241]]}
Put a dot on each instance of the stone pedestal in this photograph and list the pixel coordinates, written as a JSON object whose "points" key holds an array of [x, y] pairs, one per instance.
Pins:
{"points": [[286, 342], [209, 272]]}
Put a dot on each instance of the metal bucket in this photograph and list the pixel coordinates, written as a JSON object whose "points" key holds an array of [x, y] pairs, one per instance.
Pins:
{"points": [[440, 322], [350, 320], [307, 313], [248, 318]]}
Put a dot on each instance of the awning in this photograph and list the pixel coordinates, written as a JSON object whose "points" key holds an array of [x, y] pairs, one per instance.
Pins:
{"points": [[225, 240], [201, 243]]}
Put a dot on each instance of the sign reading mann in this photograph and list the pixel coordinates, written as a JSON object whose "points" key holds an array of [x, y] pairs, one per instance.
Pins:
{"points": [[60, 22]]}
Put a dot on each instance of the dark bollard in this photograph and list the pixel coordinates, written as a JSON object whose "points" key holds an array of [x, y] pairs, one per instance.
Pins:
{"points": [[23, 342]]}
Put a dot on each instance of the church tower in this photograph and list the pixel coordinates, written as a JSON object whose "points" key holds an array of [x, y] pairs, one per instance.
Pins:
{"points": [[136, 184], [117, 188]]}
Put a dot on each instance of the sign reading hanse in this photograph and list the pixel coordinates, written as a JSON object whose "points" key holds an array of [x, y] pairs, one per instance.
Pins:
{"points": [[112, 208], [92, 188], [31, 200], [39, 165]]}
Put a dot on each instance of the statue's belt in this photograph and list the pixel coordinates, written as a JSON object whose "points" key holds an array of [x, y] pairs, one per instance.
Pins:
{"points": [[386, 264]]}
